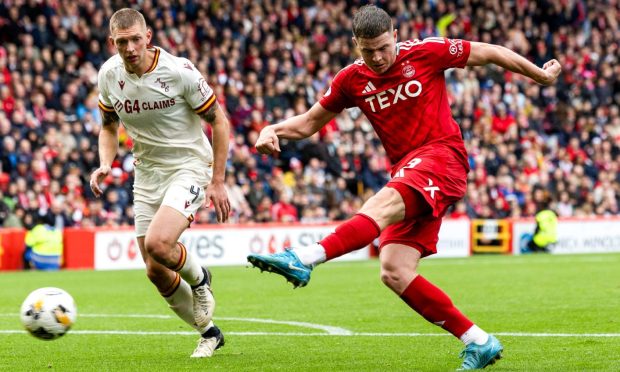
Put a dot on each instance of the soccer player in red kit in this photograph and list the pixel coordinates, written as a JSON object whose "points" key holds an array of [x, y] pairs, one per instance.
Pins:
{"points": [[400, 87]]}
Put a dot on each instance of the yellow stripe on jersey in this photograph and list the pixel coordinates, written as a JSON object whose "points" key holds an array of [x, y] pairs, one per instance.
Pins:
{"points": [[105, 108], [155, 60], [205, 106]]}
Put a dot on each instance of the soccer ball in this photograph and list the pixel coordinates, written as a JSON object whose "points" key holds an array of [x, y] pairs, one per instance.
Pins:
{"points": [[48, 313]]}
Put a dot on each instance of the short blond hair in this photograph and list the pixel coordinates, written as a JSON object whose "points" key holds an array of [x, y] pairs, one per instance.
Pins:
{"points": [[126, 18]]}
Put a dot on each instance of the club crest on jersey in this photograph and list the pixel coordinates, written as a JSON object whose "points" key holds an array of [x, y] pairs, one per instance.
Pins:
{"points": [[121, 84], [163, 85], [408, 71]]}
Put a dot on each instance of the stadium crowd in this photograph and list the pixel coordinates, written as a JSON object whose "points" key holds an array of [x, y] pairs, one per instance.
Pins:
{"points": [[530, 146]]}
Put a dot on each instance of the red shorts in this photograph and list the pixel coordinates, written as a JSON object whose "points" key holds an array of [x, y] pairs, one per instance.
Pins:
{"points": [[440, 176]]}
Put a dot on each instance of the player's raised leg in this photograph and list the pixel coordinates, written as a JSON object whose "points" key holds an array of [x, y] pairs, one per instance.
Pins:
{"points": [[296, 264]]}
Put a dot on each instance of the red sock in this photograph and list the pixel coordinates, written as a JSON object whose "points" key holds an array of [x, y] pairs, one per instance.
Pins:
{"points": [[435, 306], [351, 235]]}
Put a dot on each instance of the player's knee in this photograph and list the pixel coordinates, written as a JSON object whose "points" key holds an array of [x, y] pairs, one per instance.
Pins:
{"points": [[391, 275], [158, 248], [396, 276]]}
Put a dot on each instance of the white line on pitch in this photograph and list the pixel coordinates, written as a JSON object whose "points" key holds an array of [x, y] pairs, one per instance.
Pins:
{"points": [[330, 330], [300, 334]]}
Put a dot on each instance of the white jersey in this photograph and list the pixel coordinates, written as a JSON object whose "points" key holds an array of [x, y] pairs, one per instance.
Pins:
{"points": [[159, 110]]}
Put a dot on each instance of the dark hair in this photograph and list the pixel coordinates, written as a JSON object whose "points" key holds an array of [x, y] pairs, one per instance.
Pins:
{"points": [[370, 22]]}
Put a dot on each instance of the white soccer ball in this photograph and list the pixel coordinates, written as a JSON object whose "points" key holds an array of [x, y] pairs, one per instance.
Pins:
{"points": [[48, 313]]}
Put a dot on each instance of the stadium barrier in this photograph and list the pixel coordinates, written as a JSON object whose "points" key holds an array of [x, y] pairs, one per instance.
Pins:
{"points": [[117, 249], [491, 236], [11, 248], [583, 235]]}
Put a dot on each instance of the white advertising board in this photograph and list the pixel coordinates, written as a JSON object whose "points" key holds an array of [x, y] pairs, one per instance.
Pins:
{"points": [[116, 250], [575, 236], [454, 239]]}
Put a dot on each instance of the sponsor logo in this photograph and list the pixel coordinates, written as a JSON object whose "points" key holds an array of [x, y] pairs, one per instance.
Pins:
{"points": [[135, 106], [204, 88], [293, 267], [114, 250], [431, 188], [121, 84], [389, 97], [187, 203], [369, 88], [456, 47]]}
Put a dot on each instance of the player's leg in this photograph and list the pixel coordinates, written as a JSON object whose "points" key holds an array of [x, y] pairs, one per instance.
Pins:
{"points": [[161, 243], [402, 245], [172, 288], [384, 208], [178, 295], [399, 272]]}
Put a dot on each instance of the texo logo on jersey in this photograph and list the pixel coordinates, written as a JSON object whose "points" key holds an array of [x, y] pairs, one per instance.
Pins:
{"points": [[389, 97]]}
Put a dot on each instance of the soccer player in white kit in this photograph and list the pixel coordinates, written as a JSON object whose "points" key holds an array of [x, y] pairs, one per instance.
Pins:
{"points": [[160, 99]]}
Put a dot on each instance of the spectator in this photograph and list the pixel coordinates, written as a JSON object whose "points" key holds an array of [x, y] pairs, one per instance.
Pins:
{"points": [[264, 71], [43, 244]]}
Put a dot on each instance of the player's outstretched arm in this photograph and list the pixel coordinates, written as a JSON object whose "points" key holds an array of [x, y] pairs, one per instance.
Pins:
{"points": [[295, 128], [108, 147], [482, 54]]}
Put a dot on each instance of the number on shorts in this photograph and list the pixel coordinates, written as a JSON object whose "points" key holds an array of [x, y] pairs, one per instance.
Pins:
{"points": [[194, 191], [411, 164]]}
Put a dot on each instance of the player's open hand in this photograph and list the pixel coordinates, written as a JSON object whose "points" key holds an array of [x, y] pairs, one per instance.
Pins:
{"points": [[96, 177], [216, 194], [552, 70], [267, 142]]}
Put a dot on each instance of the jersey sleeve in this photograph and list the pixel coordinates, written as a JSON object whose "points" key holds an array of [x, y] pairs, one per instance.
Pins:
{"points": [[447, 53], [105, 104], [335, 99], [197, 93]]}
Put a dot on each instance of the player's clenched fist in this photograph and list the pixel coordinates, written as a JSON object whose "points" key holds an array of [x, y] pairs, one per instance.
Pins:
{"points": [[552, 70], [267, 142]]}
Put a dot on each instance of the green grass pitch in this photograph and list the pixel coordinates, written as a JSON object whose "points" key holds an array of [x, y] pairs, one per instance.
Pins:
{"points": [[552, 313]]}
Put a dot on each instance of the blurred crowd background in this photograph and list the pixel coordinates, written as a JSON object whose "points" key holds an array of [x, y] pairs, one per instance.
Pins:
{"points": [[530, 146]]}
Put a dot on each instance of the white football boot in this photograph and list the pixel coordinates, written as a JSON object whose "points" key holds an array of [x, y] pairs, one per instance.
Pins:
{"points": [[210, 341]]}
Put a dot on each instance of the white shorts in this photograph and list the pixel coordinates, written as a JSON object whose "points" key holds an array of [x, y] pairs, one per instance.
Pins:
{"points": [[182, 190]]}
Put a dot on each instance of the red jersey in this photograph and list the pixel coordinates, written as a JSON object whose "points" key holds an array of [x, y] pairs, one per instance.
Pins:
{"points": [[408, 104]]}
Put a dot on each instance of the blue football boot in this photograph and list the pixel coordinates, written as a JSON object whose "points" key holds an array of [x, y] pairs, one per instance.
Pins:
{"points": [[286, 264], [479, 356]]}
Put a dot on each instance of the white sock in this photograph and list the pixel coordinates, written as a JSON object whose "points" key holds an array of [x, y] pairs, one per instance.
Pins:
{"points": [[475, 335], [181, 302], [311, 255], [191, 271]]}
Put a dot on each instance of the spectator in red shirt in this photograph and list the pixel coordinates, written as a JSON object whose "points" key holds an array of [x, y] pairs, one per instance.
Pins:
{"points": [[502, 120], [283, 210]]}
